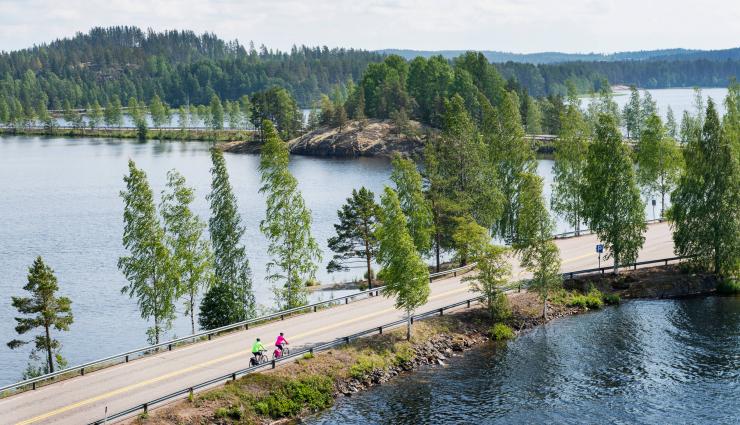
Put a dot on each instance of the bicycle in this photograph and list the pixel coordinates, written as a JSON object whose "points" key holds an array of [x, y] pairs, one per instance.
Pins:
{"points": [[284, 352], [258, 359]]}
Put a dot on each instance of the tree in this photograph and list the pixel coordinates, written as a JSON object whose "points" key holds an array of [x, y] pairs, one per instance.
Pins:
{"points": [[136, 112], [468, 238], [157, 112], [355, 239], [405, 275], [415, 207], [230, 299], [671, 127], [191, 266], [534, 116], [612, 205], [513, 157], [43, 309], [493, 273], [278, 106], [659, 160], [113, 113], [287, 224], [95, 116], [340, 117], [183, 117], [543, 260], [632, 113], [706, 202], [571, 149], [216, 113], [147, 266]]}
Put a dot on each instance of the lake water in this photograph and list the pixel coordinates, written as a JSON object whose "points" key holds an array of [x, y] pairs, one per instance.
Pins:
{"points": [[644, 362], [59, 199]]}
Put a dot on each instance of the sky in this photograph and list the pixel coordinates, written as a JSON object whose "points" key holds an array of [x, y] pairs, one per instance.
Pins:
{"points": [[522, 26]]}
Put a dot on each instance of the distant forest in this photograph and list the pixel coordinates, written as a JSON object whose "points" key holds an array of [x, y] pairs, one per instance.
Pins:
{"points": [[181, 67]]}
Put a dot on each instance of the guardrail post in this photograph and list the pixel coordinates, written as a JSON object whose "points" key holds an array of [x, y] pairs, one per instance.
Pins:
{"points": [[273, 363], [314, 309], [310, 350], [209, 337], [346, 300], [146, 407], [282, 317], [169, 347], [246, 326], [441, 311], [127, 358], [468, 303], [82, 371], [33, 385], [191, 393], [635, 266], [412, 320], [346, 339], [380, 330], [233, 376]]}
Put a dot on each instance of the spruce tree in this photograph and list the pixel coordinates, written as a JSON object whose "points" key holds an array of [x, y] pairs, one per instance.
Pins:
{"points": [[415, 207], [287, 225], [148, 264], [191, 266], [403, 272], [43, 309], [706, 203], [612, 205], [230, 299], [355, 240]]}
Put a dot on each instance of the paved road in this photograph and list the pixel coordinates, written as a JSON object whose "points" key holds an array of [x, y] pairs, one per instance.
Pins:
{"points": [[83, 399]]}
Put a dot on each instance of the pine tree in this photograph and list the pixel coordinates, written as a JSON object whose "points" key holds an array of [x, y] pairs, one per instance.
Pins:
{"points": [[191, 266], [148, 263], [287, 224], [659, 161], [632, 113], [415, 207], [232, 286], [571, 149], [355, 240], [43, 309], [612, 205], [405, 275], [706, 203]]}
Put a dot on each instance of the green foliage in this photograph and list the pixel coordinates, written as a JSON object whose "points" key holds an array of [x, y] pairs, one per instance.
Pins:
{"points": [[313, 393], [365, 364], [706, 202], [611, 299], [43, 309], [230, 299], [414, 206], [355, 239], [593, 300], [494, 272], [232, 412], [278, 106], [405, 275], [501, 332], [191, 265], [612, 204], [147, 267], [659, 160], [571, 149], [287, 224], [469, 237]]}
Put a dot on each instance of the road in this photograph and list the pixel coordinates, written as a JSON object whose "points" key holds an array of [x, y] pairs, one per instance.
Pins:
{"points": [[83, 399]]}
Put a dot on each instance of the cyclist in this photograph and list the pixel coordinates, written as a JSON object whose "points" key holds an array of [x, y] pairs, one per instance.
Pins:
{"points": [[280, 342], [257, 350]]}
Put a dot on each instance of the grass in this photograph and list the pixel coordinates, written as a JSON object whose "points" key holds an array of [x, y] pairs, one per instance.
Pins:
{"points": [[501, 332], [591, 300]]}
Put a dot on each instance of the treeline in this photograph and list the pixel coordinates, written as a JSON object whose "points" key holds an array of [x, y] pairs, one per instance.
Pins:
{"points": [[550, 79], [178, 66]]}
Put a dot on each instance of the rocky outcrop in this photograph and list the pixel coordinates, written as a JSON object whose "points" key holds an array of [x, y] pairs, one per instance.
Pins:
{"points": [[368, 138]]}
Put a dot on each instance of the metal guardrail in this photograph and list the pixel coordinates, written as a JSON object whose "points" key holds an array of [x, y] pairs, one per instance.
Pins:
{"points": [[633, 266], [144, 407], [586, 232], [128, 355]]}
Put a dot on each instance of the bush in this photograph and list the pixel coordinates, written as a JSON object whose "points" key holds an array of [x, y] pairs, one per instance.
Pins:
{"points": [[501, 332], [404, 353], [232, 412], [313, 393], [729, 287], [590, 301], [365, 365], [611, 299], [308, 356], [500, 308]]}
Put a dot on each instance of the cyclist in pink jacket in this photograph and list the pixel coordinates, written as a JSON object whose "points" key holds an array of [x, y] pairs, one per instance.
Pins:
{"points": [[280, 341]]}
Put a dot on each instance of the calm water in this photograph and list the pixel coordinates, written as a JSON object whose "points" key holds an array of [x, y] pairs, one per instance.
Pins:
{"points": [[645, 362], [59, 199]]}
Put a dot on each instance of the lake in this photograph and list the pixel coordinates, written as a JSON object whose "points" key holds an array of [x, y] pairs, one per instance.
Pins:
{"points": [[644, 362], [59, 199]]}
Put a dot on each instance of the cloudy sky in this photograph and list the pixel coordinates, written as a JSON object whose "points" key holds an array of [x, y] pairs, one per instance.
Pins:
{"points": [[508, 25]]}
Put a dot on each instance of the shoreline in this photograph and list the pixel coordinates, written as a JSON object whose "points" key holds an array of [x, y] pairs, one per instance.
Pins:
{"points": [[371, 361]]}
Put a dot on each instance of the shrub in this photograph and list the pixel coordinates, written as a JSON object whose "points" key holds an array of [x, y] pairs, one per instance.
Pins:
{"points": [[313, 393], [500, 308], [501, 332], [308, 356], [611, 299], [577, 301], [365, 365], [404, 353], [232, 412], [592, 300], [729, 286]]}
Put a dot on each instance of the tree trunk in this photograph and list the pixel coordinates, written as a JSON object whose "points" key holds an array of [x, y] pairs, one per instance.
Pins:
{"points": [[50, 360], [616, 262], [436, 249], [192, 312], [408, 325], [369, 268], [544, 307]]}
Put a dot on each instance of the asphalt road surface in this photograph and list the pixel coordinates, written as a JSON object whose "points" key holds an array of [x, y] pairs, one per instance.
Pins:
{"points": [[83, 399]]}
